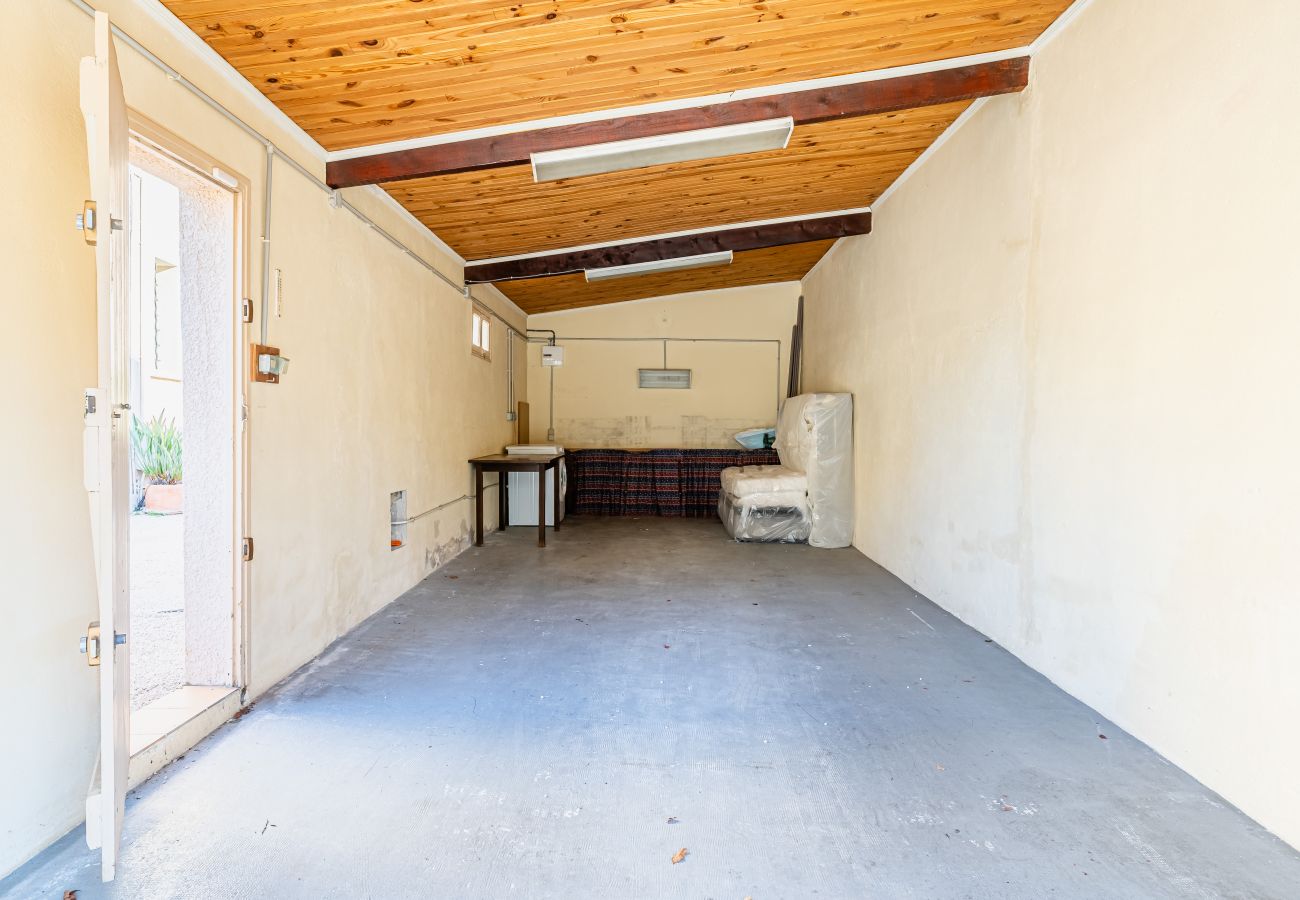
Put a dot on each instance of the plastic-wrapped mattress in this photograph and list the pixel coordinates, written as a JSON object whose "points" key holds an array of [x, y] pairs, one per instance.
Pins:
{"points": [[741, 481], [780, 517], [810, 495]]}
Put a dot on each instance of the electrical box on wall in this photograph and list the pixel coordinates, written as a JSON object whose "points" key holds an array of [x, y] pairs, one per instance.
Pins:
{"points": [[266, 364], [552, 355]]}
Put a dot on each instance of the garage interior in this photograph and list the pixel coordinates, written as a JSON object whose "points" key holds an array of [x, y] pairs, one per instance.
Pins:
{"points": [[683, 448]]}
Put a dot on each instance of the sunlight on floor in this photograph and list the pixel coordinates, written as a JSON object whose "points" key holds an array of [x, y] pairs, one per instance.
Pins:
{"points": [[157, 607]]}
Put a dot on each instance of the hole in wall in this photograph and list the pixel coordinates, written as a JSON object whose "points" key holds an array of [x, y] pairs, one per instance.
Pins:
{"points": [[397, 519]]}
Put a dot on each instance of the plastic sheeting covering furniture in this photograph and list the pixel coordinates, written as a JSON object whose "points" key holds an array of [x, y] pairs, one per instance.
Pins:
{"points": [[809, 497]]}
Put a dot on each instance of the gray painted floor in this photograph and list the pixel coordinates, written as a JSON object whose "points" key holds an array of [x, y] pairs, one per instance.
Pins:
{"points": [[560, 722]]}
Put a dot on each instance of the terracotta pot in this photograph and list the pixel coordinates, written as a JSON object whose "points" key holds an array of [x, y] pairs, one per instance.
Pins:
{"points": [[164, 498]]}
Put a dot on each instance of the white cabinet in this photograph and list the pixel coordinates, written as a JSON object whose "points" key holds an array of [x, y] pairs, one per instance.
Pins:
{"points": [[523, 496]]}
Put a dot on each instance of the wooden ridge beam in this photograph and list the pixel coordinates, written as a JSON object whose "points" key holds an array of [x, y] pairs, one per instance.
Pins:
{"points": [[751, 237], [805, 107]]}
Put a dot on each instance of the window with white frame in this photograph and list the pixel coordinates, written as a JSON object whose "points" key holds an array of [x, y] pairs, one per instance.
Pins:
{"points": [[166, 320], [481, 336]]}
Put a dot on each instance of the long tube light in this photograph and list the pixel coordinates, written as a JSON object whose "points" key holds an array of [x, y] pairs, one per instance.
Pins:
{"points": [[675, 264], [637, 153]]}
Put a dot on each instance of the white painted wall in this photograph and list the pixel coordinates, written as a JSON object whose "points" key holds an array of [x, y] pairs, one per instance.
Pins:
{"points": [[383, 394], [738, 373], [1071, 340], [47, 580]]}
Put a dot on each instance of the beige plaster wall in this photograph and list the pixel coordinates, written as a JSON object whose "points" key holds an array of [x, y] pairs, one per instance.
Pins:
{"points": [[1071, 341], [383, 394], [736, 378]]}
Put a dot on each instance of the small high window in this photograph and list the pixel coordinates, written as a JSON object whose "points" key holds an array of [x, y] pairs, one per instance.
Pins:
{"points": [[481, 336]]}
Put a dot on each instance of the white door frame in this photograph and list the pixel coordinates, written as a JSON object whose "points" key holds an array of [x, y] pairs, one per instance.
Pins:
{"points": [[162, 141]]}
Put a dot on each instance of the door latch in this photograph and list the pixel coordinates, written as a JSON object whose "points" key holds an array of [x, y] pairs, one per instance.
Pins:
{"points": [[248, 549], [89, 643]]}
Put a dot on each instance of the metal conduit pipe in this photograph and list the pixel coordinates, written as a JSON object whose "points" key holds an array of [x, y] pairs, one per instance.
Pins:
{"points": [[550, 423], [266, 241], [272, 152], [510, 376], [666, 341]]}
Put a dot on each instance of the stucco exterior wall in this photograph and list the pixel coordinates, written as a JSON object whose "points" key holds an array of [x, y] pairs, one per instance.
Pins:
{"points": [[208, 303], [1071, 344]]}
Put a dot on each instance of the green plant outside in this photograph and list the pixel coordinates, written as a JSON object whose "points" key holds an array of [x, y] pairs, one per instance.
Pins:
{"points": [[156, 449]]}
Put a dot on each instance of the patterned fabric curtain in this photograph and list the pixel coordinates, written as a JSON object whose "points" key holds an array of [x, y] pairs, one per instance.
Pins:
{"points": [[653, 482]]}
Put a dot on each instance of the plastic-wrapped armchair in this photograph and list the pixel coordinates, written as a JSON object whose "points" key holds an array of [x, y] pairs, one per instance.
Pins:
{"points": [[809, 497]]}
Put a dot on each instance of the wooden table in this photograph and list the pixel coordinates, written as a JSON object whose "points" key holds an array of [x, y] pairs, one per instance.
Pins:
{"points": [[503, 464]]}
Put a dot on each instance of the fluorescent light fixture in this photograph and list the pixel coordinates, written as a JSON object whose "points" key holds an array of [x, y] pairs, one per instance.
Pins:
{"points": [[669, 379], [637, 153], [660, 265]]}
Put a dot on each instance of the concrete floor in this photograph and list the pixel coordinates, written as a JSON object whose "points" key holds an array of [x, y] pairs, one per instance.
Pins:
{"points": [[560, 722], [157, 606]]}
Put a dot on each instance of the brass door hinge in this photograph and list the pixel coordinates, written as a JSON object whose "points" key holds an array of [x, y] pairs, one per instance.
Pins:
{"points": [[88, 225], [90, 643]]}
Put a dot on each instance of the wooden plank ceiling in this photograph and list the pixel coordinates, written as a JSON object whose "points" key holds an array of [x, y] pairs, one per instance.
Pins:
{"points": [[355, 73], [772, 264], [828, 166]]}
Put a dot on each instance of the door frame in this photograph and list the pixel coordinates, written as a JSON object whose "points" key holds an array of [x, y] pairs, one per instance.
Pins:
{"points": [[160, 140]]}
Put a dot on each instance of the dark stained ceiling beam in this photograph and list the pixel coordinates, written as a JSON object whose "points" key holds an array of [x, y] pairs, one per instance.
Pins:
{"points": [[754, 237], [805, 107]]}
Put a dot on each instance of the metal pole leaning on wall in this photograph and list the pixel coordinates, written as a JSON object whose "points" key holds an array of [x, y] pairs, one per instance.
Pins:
{"points": [[273, 151]]}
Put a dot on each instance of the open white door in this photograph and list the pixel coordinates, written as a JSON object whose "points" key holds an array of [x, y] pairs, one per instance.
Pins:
{"points": [[107, 436]]}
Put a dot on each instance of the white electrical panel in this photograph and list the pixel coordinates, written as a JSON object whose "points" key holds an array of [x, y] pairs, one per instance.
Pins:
{"points": [[552, 355]]}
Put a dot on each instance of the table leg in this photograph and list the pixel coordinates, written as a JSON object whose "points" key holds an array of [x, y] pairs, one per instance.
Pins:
{"points": [[478, 506], [541, 506], [555, 505], [503, 500]]}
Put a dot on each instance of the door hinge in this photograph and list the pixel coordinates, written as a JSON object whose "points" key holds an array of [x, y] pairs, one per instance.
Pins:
{"points": [[89, 643], [248, 311], [248, 549], [87, 222]]}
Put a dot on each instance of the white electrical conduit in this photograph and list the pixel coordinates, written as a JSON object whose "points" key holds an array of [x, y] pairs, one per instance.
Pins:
{"points": [[666, 341], [417, 516], [336, 198], [271, 152]]}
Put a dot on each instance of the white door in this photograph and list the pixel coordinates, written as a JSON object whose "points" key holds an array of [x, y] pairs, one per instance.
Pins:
{"points": [[107, 436]]}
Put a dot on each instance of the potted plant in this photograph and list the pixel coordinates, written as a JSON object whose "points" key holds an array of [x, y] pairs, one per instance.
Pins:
{"points": [[156, 446]]}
